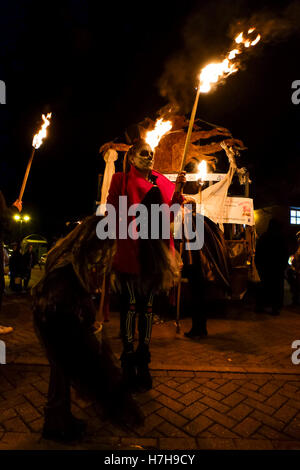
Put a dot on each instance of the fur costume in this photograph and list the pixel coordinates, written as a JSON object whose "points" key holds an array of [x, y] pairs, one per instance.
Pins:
{"points": [[64, 315]]}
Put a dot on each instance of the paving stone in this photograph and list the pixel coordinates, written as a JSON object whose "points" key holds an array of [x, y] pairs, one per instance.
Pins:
{"points": [[151, 422], [167, 443], [213, 385], [240, 412], [276, 400], [270, 433], [172, 404], [286, 445], [182, 373], [170, 392], [171, 431], [285, 413], [233, 399], [151, 407], [27, 412], [268, 420], [198, 425], [253, 444], [42, 386], [215, 444], [228, 389], [293, 429], [249, 393], [193, 410], [220, 418], [268, 389], [187, 387], [250, 386], [15, 425], [216, 405], [35, 397], [220, 431], [7, 414], [173, 418], [172, 383], [247, 427], [259, 406], [190, 397], [37, 425]]}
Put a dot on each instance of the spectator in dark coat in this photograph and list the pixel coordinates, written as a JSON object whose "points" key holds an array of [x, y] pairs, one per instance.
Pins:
{"points": [[29, 260], [5, 215], [271, 260], [16, 269]]}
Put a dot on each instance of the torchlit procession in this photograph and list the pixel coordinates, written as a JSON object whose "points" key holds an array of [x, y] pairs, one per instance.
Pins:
{"points": [[150, 261]]}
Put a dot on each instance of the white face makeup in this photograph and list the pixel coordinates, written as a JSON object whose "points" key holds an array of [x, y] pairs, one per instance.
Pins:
{"points": [[143, 158]]}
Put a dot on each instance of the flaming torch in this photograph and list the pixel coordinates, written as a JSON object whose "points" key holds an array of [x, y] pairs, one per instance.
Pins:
{"points": [[161, 128], [213, 73], [36, 143]]}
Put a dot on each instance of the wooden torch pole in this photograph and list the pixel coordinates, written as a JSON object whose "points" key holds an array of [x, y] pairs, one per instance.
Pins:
{"points": [[26, 175], [185, 152], [190, 129]]}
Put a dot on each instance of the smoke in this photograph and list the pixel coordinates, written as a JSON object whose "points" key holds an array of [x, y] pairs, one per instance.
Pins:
{"points": [[208, 35]]}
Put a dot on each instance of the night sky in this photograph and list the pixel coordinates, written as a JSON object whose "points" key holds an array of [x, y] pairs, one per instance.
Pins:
{"points": [[102, 66]]}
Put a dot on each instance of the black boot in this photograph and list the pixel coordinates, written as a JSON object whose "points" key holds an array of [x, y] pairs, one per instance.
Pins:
{"points": [[196, 333], [129, 372], [60, 425], [143, 359]]}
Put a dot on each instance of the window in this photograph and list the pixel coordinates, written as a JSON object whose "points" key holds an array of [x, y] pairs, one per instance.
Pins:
{"points": [[295, 216]]}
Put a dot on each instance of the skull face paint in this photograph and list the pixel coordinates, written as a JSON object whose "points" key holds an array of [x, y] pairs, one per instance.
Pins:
{"points": [[142, 157]]}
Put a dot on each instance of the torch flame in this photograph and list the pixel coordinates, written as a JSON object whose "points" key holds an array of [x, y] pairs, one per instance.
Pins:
{"points": [[202, 170], [38, 138], [161, 128], [212, 73], [256, 40], [239, 38]]}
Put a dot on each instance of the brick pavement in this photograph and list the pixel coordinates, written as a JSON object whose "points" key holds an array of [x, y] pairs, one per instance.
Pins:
{"points": [[184, 410], [237, 389]]}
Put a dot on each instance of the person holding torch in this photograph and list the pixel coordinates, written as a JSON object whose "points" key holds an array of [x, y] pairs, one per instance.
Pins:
{"points": [[144, 267]]}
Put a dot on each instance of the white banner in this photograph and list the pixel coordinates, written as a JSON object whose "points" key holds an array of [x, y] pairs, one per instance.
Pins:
{"points": [[195, 176], [238, 210]]}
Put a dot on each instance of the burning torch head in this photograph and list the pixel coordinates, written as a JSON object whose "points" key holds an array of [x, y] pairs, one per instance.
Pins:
{"points": [[141, 156]]}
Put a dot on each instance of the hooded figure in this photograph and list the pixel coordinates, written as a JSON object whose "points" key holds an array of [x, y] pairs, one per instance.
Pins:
{"points": [[64, 316], [271, 260]]}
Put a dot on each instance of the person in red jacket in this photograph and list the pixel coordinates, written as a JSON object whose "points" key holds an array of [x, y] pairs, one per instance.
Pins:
{"points": [[144, 266]]}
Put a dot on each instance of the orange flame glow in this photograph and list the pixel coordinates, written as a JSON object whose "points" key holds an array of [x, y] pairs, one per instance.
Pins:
{"points": [[161, 127], [212, 73], [38, 138], [202, 170]]}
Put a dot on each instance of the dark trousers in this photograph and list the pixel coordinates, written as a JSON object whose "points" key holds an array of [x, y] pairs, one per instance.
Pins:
{"points": [[27, 276], [270, 292], [135, 304]]}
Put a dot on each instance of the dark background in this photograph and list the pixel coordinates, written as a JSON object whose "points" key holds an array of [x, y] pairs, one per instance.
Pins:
{"points": [[100, 67]]}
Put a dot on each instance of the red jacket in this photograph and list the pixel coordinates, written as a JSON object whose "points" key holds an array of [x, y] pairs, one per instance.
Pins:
{"points": [[135, 187]]}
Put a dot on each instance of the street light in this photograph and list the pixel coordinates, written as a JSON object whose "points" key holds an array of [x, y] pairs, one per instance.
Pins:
{"points": [[21, 219]]}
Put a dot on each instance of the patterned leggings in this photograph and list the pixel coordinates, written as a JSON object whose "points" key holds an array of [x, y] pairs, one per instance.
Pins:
{"points": [[134, 303]]}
